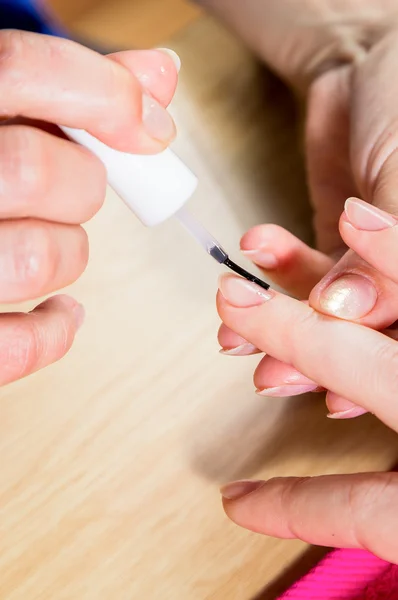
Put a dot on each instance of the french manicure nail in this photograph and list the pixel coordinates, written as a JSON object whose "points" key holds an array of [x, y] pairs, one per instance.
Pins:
{"points": [[79, 315], [174, 57], [158, 123], [367, 217], [239, 489], [242, 293], [284, 391], [351, 413], [242, 350], [264, 259], [349, 297]]}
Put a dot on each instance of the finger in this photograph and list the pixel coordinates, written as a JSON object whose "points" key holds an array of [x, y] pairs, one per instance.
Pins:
{"points": [[373, 234], [346, 511], [367, 295], [329, 351], [328, 156], [340, 408], [29, 342], [374, 133], [156, 70], [288, 261], [37, 258], [291, 264], [48, 177], [277, 379], [233, 344], [60, 81], [356, 291]]}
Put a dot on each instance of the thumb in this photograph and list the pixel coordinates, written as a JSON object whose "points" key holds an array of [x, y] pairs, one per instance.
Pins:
{"points": [[353, 289], [329, 174]]}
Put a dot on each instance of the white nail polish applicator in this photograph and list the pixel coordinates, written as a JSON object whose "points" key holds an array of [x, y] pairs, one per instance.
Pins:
{"points": [[156, 187]]}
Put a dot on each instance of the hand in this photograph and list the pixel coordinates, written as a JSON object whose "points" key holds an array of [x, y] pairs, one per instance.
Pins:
{"points": [[278, 378], [352, 361], [344, 56], [49, 185]]}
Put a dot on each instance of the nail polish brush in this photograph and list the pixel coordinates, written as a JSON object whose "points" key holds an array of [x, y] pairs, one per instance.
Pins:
{"points": [[156, 187], [213, 247]]}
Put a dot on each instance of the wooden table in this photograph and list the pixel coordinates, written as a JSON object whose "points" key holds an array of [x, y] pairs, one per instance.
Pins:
{"points": [[111, 460]]}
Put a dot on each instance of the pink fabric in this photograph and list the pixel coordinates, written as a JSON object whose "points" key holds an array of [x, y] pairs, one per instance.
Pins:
{"points": [[347, 575]]}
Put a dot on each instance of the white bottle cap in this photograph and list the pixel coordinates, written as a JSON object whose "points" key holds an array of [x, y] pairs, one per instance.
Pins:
{"points": [[155, 186]]}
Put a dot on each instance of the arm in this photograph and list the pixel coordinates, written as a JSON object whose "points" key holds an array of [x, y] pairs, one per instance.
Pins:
{"points": [[300, 39]]}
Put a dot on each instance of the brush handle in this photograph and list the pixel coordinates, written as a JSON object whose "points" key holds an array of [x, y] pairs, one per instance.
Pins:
{"points": [[154, 187]]}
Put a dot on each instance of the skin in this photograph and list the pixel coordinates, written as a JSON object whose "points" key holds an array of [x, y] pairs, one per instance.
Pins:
{"points": [[340, 56], [50, 186], [346, 71], [343, 511]]}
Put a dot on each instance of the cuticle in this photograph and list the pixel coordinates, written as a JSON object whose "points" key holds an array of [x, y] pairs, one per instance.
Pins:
{"points": [[351, 272]]}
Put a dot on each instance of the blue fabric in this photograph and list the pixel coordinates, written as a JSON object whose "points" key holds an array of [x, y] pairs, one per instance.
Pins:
{"points": [[27, 16]]}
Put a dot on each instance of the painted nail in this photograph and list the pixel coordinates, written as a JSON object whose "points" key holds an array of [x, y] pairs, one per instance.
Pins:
{"points": [[264, 259], [79, 315], [242, 293], [157, 121], [242, 350], [284, 391], [297, 378], [351, 413], [174, 57], [349, 297], [367, 217], [239, 489]]}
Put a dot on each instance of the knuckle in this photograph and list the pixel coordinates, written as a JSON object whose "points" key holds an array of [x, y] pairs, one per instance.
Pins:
{"points": [[82, 250], [17, 51], [61, 340], [289, 503], [36, 258], [19, 352], [386, 374], [121, 97], [12, 50], [22, 166], [379, 162], [112, 96], [304, 323], [365, 498], [97, 175]]}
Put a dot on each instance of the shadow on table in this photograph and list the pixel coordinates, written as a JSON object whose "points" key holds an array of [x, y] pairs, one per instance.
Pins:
{"points": [[256, 435], [293, 573]]}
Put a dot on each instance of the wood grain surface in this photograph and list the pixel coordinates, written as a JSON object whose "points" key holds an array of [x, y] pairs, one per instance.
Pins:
{"points": [[111, 459]]}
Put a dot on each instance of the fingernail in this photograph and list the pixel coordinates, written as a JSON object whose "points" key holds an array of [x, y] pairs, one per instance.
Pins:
{"points": [[239, 489], [174, 57], [284, 391], [242, 293], [157, 121], [349, 297], [367, 217], [242, 350], [351, 413], [79, 315], [265, 259]]}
